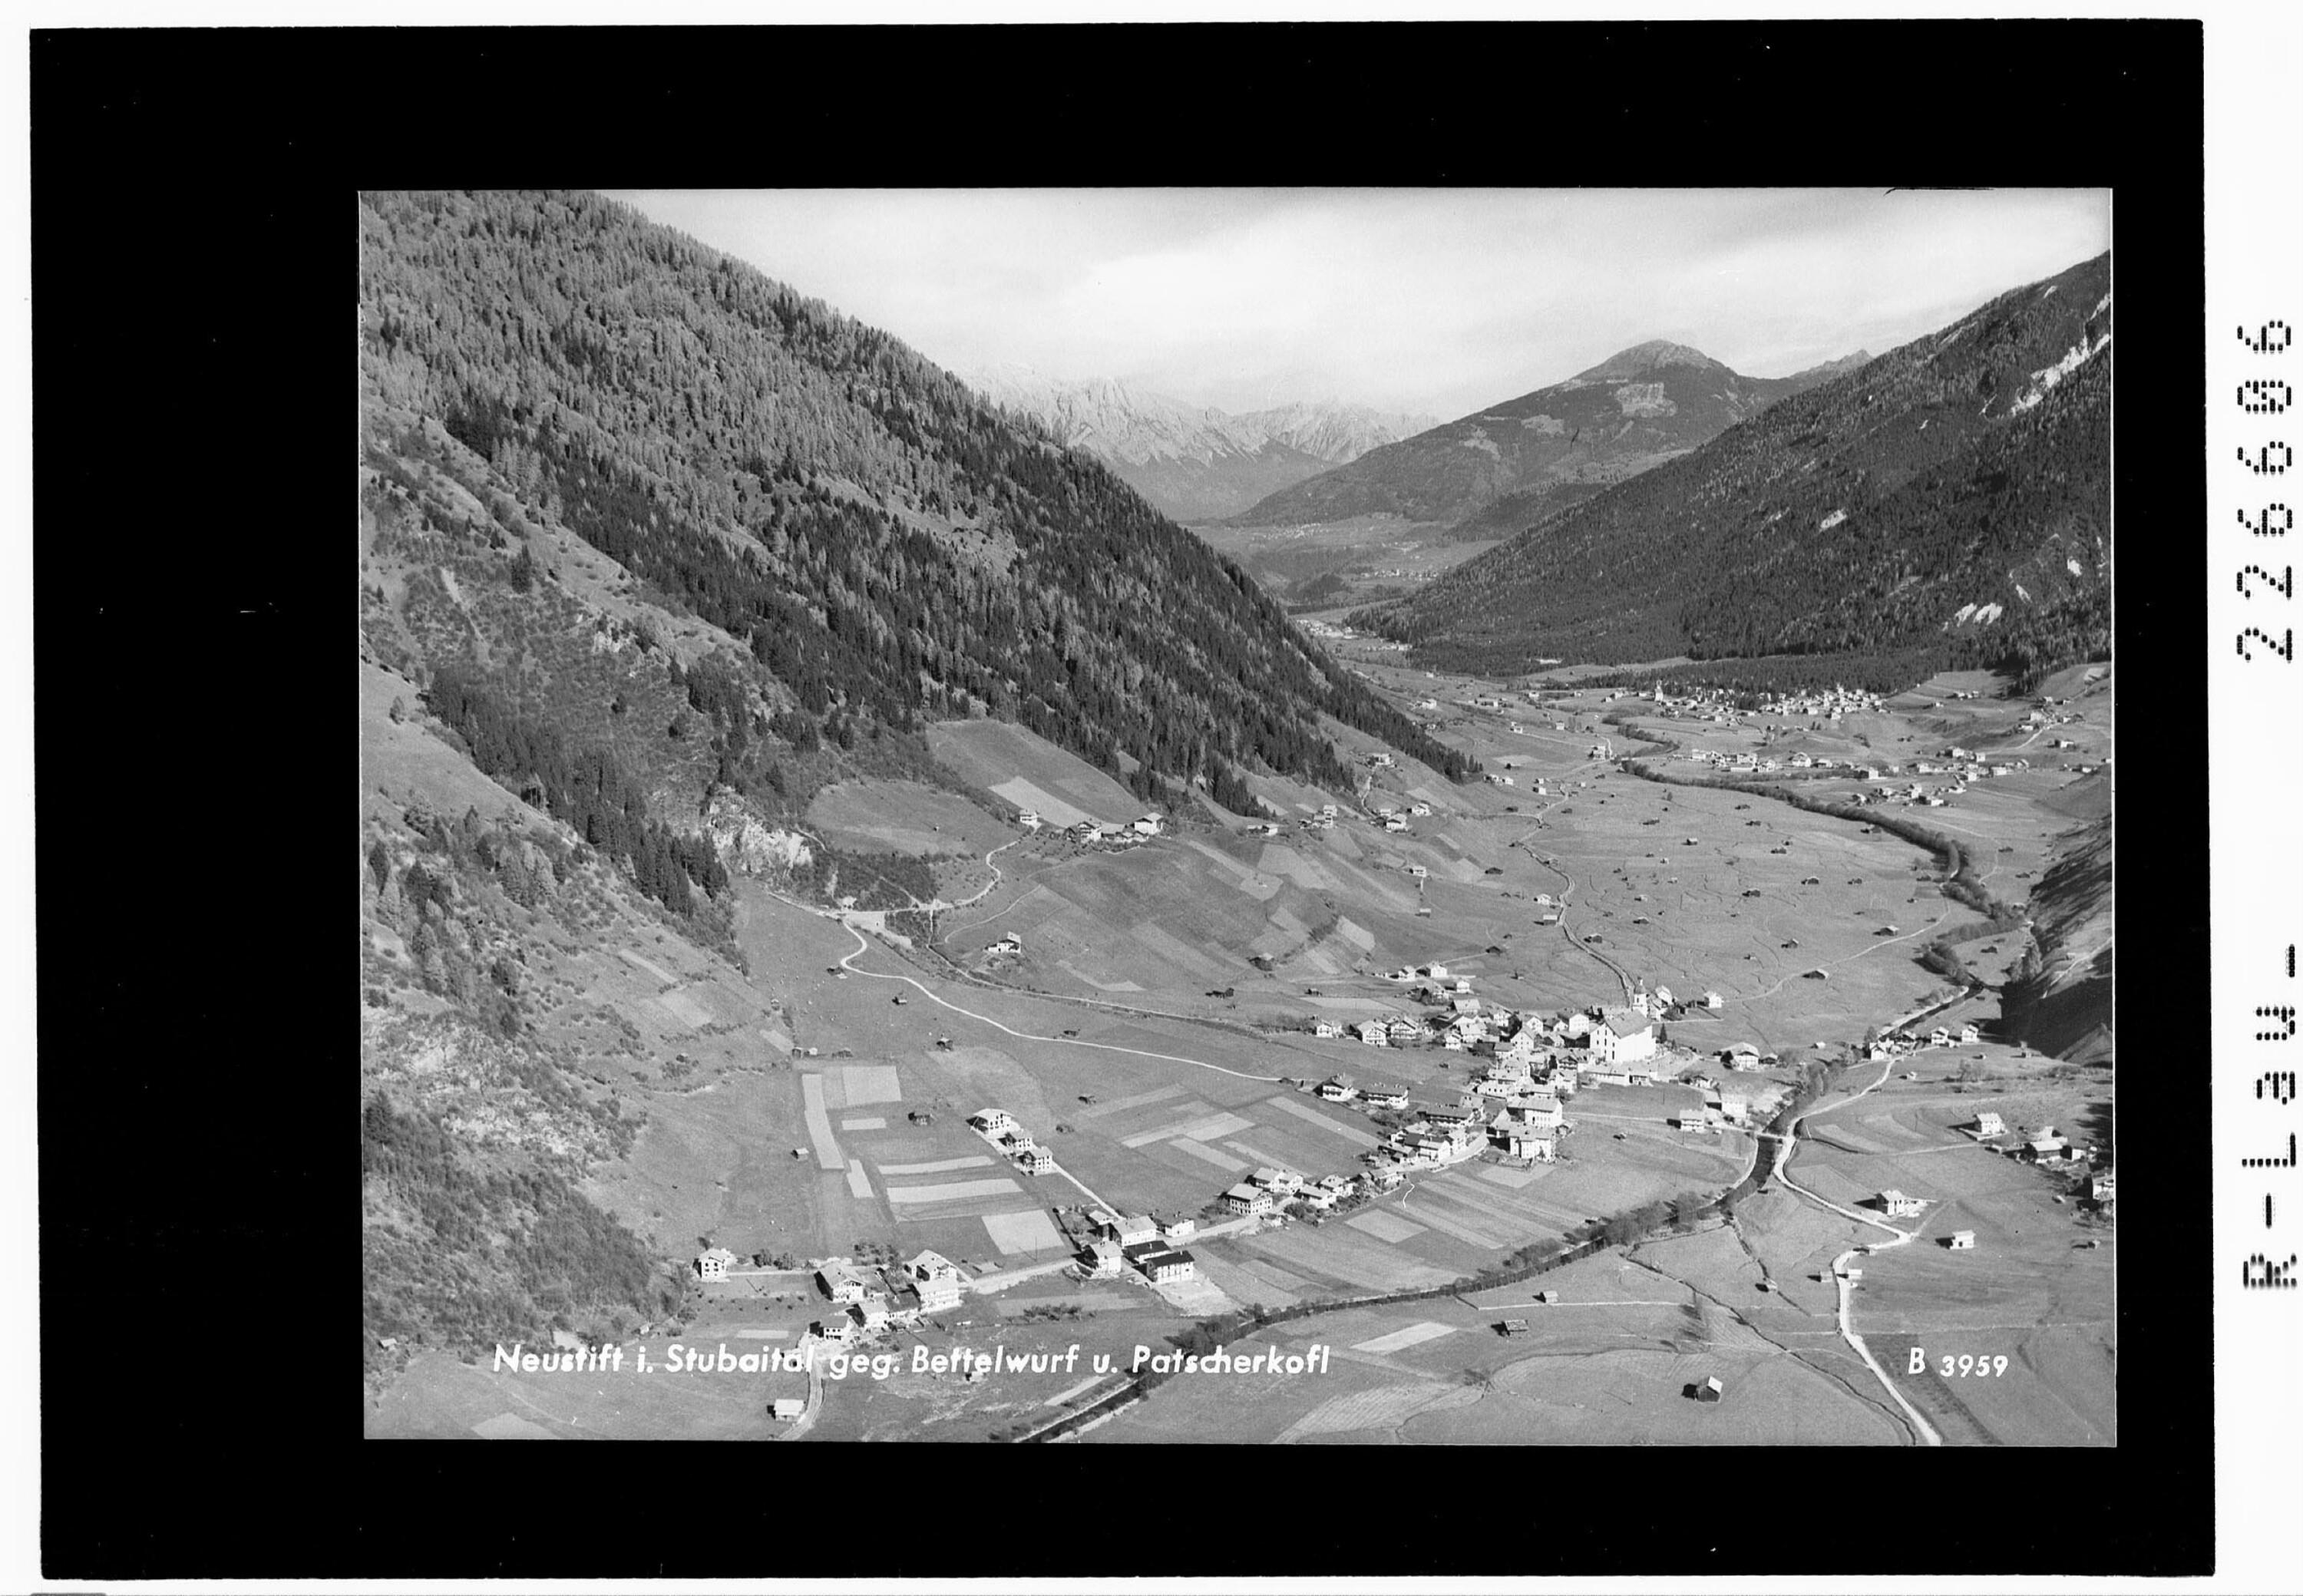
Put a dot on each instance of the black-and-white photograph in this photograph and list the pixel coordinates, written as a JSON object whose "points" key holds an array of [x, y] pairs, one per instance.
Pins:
{"points": [[1144, 817]]}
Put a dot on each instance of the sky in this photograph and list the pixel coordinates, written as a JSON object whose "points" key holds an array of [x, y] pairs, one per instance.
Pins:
{"points": [[1435, 300]]}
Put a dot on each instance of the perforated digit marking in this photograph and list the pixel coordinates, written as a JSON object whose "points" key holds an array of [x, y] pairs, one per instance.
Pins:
{"points": [[2273, 1163], [2259, 396], [2284, 583]]}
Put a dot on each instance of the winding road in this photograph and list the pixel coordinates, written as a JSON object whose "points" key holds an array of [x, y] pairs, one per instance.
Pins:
{"points": [[1783, 1148]]}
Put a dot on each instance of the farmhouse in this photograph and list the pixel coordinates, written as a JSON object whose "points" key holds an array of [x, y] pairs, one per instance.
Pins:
{"points": [[1101, 1258], [1247, 1199], [1989, 1124], [1385, 1097], [937, 1279], [1286, 1183], [1339, 1088], [1516, 1139], [1404, 1030], [992, 1121], [2040, 1149], [1325, 1027], [1540, 1110], [1896, 1205], [1132, 1231], [1034, 1160], [789, 1407], [842, 1281], [2103, 1187], [1163, 1267], [1969, 1034], [714, 1263]]}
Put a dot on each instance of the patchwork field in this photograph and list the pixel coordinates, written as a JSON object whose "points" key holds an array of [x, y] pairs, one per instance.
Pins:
{"points": [[1133, 1037], [993, 755]]}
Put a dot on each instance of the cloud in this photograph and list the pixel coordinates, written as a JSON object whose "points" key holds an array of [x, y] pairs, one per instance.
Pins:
{"points": [[1444, 301]]}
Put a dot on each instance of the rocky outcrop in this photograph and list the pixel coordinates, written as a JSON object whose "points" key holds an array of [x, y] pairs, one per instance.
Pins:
{"points": [[2060, 1002], [747, 845]]}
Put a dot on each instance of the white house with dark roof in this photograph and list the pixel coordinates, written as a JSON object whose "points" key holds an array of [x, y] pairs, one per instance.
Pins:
{"points": [[1163, 1269], [713, 1263]]}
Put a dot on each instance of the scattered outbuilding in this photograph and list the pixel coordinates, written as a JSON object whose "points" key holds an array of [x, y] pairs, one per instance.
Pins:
{"points": [[1709, 1390], [1960, 1241]]}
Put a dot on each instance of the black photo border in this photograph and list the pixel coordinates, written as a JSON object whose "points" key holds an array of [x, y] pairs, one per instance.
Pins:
{"points": [[191, 193]]}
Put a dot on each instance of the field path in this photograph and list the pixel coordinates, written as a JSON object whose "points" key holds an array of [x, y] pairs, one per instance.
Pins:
{"points": [[1783, 1148]]}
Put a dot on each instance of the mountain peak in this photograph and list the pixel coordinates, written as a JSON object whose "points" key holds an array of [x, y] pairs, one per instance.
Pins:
{"points": [[1643, 357]]}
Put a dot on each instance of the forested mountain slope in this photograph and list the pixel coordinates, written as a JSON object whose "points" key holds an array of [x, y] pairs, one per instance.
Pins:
{"points": [[1953, 495], [1634, 410], [884, 543]]}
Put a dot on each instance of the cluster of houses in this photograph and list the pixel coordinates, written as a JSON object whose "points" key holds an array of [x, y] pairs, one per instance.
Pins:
{"points": [[876, 1300], [1894, 1045], [1011, 1140], [1278, 1190], [1142, 828], [1612, 1043], [2044, 1146], [1140, 1242]]}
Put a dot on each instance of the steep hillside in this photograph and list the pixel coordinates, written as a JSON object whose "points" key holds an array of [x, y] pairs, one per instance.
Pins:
{"points": [[878, 540], [1557, 445], [1952, 496], [2060, 1002], [1194, 462]]}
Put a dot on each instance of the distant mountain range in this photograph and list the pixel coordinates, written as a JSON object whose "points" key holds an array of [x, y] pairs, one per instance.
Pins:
{"points": [[1516, 460], [1194, 462], [1952, 496]]}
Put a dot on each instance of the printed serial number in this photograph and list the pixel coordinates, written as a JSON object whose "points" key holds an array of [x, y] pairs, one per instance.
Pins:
{"points": [[1952, 1368]]}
